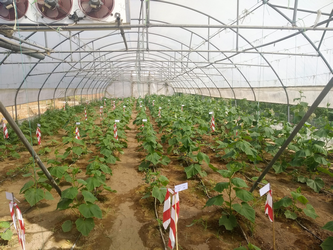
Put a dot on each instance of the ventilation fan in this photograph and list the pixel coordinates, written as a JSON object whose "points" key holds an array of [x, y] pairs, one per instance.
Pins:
{"points": [[55, 9], [7, 9], [97, 9]]}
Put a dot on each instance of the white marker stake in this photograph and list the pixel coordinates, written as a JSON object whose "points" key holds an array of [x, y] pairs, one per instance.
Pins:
{"points": [[263, 191], [178, 188]]}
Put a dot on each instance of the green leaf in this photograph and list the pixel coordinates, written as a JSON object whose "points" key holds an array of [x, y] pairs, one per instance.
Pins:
{"points": [[26, 175], [325, 170], [7, 235], [111, 159], [279, 167], [48, 196], [64, 203], [328, 226], [212, 167], [225, 173], [316, 184], [164, 181], [93, 182], [90, 210], [34, 195], [77, 150], [309, 211], [159, 193], [240, 248], [69, 193], [229, 223], [243, 194], [84, 226], [153, 158], [290, 215], [67, 226], [238, 182], [246, 210], [202, 156], [4, 224], [82, 182], [192, 170], [105, 169], [88, 197], [327, 244], [26, 186], [301, 179], [319, 159], [319, 149], [216, 200], [253, 247], [77, 141], [58, 171], [299, 197], [165, 160], [284, 202], [219, 187]]}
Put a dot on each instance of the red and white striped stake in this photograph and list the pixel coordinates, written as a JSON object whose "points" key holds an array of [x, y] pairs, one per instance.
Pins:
{"points": [[85, 113], [77, 133], [20, 227], [104, 103], [143, 121], [39, 134], [182, 108], [269, 206], [153, 103], [212, 122], [159, 112], [174, 220], [167, 209], [4, 129], [114, 105], [115, 134], [64, 107], [100, 111], [124, 108]]}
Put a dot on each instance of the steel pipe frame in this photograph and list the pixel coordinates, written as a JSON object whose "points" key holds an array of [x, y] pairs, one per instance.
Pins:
{"points": [[253, 47]]}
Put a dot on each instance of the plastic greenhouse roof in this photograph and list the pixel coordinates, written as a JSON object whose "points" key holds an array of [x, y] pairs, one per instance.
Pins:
{"points": [[273, 50]]}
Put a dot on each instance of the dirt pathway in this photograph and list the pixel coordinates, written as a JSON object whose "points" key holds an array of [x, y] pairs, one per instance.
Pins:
{"points": [[126, 180]]}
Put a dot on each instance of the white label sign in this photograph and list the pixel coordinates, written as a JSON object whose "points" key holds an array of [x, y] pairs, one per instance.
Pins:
{"points": [[101, 107], [264, 189], [124, 106], [116, 120], [77, 123], [183, 105], [144, 120], [181, 187], [211, 112], [140, 106], [160, 107], [9, 196], [38, 124]]}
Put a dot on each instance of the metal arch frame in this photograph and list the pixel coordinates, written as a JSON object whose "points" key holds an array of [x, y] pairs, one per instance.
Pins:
{"points": [[120, 54], [27, 75], [204, 14], [301, 31], [10, 52], [125, 51], [284, 87], [180, 82]]}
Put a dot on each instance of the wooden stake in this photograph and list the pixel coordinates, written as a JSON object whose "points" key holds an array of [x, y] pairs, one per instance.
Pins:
{"points": [[176, 222], [273, 226]]}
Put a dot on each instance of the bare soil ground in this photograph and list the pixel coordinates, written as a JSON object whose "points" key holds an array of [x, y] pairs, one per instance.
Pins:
{"points": [[129, 221]]}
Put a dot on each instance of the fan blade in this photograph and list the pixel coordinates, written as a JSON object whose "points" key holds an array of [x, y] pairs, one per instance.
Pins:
{"points": [[52, 13], [42, 2], [86, 7], [109, 4], [65, 5], [3, 11], [101, 13], [21, 8]]}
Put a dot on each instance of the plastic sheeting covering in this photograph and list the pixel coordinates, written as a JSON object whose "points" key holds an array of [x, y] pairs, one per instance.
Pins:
{"points": [[265, 51]]}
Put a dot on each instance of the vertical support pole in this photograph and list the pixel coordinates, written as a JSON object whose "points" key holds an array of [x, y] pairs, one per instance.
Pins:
{"points": [[208, 39], [147, 23], [237, 30], [70, 44], [288, 113], [295, 13], [188, 55]]}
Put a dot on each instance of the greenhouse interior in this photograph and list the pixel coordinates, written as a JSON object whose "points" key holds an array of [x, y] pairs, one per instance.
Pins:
{"points": [[159, 124]]}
